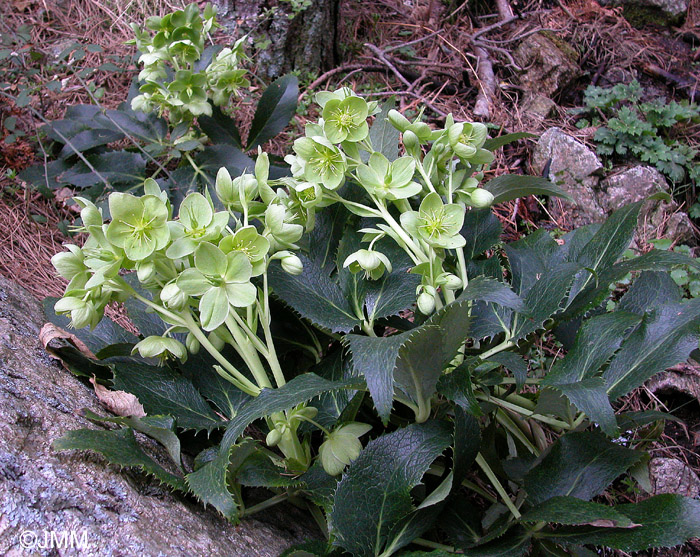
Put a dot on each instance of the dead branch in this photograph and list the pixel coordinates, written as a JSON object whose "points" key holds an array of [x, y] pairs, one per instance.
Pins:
{"points": [[487, 83]]}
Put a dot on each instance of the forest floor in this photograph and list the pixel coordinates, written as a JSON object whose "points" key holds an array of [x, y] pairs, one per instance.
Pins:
{"points": [[426, 53]]}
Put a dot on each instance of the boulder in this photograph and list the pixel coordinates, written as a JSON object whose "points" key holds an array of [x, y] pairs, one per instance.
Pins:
{"points": [[576, 169], [90, 507], [656, 12], [657, 219], [535, 109], [549, 64], [669, 475]]}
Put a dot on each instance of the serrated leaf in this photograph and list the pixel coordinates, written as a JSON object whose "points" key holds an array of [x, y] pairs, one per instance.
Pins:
{"points": [[137, 125], [275, 109], [326, 235], [209, 485], [314, 295], [119, 447], [45, 177], [514, 543], [579, 464], [651, 290], [160, 428], [379, 482], [457, 386], [590, 397], [512, 186], [570, 510], [220, 128], [214, 157], [665, 337], [597, 340], [666, 520], [116, 167], [530, 258], [163, 391], [383, 136], [513, 363], [461, 521], [481, 230], [466, 444]]}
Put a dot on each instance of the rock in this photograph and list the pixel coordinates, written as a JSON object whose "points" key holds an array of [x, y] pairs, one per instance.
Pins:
{"points": [[655, 12], [657, 219], [682, 378], [550, 64], [77, 493], [536, 109], [669, 475], [574, 168]]}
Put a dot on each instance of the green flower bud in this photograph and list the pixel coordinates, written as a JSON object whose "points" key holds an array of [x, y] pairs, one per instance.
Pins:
{"points": [[309, 412], [274, 437], [292, 264], [173, 297], [145, 270], [426, 303], [398, 120], [411, 143], [422, 131], [192, 344], [216, 341], [160, 347], [481, 198], [452, 282]]}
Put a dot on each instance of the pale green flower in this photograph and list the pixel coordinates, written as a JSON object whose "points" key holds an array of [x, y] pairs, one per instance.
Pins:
{"points": [[162, 348], [139, 224], [222, 280], [279, 230], [436, 223], [198, 223], [389, 180], [255, 247], [82, 311], [466, 139], [372, 262], [341, 447], [345, 120], [323, 162]]}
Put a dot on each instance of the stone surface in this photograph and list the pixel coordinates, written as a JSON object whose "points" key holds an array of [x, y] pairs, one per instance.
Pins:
{"points": [[657, 219], [536, 108], [574, 168], [117, 513], [669, 475], [655, 12], [302, 34], [549, 64]]}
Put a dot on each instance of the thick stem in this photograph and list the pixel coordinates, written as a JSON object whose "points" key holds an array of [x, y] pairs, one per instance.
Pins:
{"points": [[481, 462]]}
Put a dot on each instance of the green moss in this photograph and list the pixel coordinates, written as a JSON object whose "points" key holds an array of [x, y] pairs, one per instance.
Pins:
{"points": [[562, 45], [639, 16]]}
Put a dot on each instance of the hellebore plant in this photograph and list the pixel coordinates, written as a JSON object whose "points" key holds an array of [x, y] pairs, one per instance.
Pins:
{"points": [[362, 313]]}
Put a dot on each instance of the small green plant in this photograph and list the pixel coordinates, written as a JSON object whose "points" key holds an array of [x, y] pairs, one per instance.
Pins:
{"points": [[175, 122], [651, 132]]}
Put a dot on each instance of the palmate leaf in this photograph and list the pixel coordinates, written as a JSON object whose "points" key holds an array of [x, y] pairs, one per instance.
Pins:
{"points": [[220, 128], [276, 107], [116, 167], [664, 521], [590, 397], [579, 464], [498, 142], [512, 186], [209, 482], [379, 482], [119, 447], [457, 386], [163, 391], [481, 230]]}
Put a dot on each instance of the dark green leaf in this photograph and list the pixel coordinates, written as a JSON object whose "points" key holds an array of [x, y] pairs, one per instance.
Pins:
{"points": [[461, 521], [629, 421], [383, 136], [457, 386], [88, 139], [481, 230], [379, 482], [258, 470], [514, 543], [597, 340], [160, 428], [513, 363], [467, 441], [326, 235], [570, 510], [512, 186], [163, 391], [214, 157], [651, 290], [666, 520], [220, 128], [209, 485], [665, 337], [276, 107], [495, 143], [120, 447], [590, 397], [530, 258], [45, 178], [116, 167], [579, 464], [314, 296]]}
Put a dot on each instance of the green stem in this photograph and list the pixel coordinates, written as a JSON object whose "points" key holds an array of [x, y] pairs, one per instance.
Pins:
{"points": [[433, 545], [421, 171], [249, 353], [266, 504], [496, 349], [514, 428], [481, 462], [271, 355], [524, 411], [415, 252]]}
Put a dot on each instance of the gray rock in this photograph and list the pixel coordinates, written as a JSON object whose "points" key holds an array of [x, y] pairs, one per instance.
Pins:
{"points": [[669, 475], [574, 168], [549, 64], [117, 513], [536, 108], [657, 219]]}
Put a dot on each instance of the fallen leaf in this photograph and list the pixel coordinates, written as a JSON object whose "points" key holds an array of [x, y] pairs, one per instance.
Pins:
{"points": [[120, 403], [607, 523], [50, 332]]}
